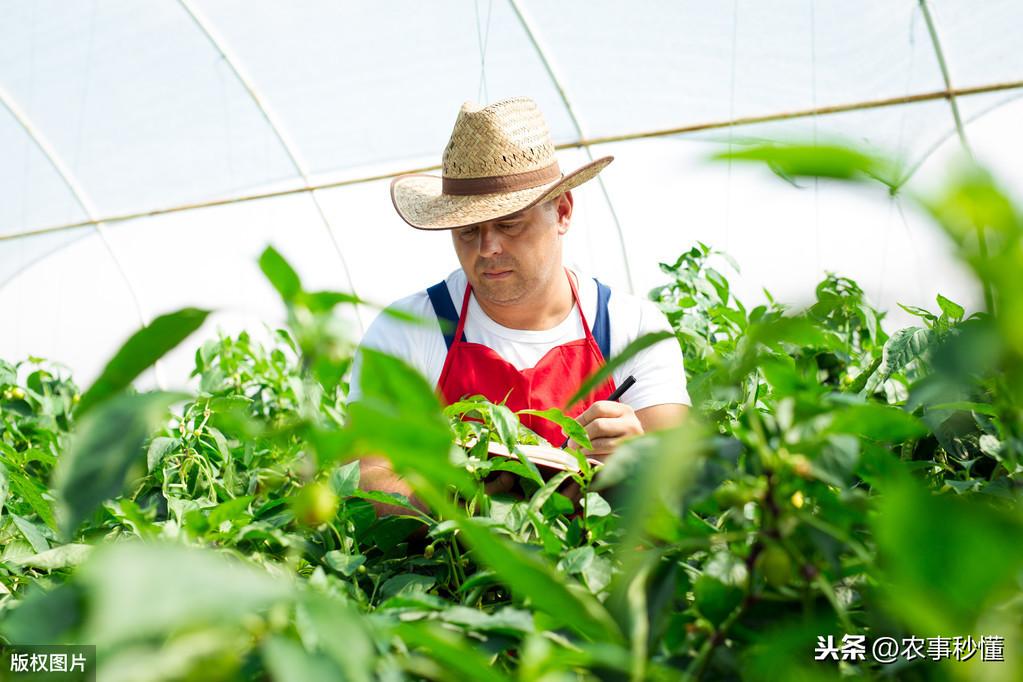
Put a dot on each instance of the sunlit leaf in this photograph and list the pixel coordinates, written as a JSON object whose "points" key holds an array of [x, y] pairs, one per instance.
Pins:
{"points": [[818, 160], [904, 346], [281, 275], [953, 310], [144, 348]]}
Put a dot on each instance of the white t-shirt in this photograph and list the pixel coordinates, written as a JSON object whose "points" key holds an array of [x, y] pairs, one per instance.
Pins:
{"points": [[660, 376]]}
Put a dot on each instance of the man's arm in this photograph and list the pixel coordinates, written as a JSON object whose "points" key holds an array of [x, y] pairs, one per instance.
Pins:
{"points": [[376, 473], [657, 417]]}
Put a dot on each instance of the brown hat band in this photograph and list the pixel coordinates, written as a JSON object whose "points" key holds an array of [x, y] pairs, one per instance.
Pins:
{"points": [[501, 183]]}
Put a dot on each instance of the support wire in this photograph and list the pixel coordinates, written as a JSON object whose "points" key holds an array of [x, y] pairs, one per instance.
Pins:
{"points": [[290, 148], [544, 56]]}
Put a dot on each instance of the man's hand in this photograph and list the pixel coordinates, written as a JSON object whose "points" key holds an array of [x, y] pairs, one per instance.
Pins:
{"points": [[501, 482], [607, 423]]}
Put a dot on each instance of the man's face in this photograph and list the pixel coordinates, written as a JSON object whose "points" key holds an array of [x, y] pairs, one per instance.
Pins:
{"points": [[509, 259]]}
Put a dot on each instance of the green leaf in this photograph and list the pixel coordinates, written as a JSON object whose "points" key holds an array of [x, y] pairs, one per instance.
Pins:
{"points": [[390, 380], [159, 448], [954, 311], [720, 589], [532, 578], [344, 480], [794, 331], [557, 505], [64, 556], [179, 587], [234, 512], [8, 373], [990, 446], [714, 599], [287, 661], [340, 632], [577, 560], [922, 313], [449, 650], [570, 426], [818, 160], [948, 559], [509, 620], [903, 347], [979, 408], [32, 493], [395, 499], [597, 574], [877, 422], [31, 533], [506, 424], [630, 351], [105, 445], [545, 492], [596, 505], [128, 513], [281, 275], [406, 582], [145, 347], [43, 617], [325, 301], [400, 417], [345, 564]]}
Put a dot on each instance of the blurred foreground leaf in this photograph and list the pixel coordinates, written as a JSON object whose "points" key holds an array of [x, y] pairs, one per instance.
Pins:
{"points": [[105, 445], [137, 590], [630, 351], [823, 160], [946, 559]]}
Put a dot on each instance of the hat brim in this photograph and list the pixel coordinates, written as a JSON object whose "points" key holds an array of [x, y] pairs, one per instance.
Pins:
{"points": [[421, 203]]}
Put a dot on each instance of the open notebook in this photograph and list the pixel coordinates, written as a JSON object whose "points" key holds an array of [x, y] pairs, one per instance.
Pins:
{"points": [[544, 456]]}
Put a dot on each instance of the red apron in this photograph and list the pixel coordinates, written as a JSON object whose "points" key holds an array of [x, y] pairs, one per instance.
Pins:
{"points": [[472, 368]]}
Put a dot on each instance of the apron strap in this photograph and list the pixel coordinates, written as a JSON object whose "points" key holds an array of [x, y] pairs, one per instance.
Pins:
{"points": [[602, 325], [444, 307], [448, 318]]}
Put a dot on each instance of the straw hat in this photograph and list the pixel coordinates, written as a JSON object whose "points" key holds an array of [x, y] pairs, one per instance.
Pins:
{"points": [[499, 160]]}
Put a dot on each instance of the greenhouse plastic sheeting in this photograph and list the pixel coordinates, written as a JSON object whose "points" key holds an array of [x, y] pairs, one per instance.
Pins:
{"points": [[111, 110]]}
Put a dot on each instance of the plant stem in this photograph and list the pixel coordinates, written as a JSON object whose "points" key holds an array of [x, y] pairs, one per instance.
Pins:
{"points": [[699, 665], [456, 564]]}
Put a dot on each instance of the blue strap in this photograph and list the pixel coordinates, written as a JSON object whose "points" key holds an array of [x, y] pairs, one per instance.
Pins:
{"points": [[447, 316], [602, 325]]}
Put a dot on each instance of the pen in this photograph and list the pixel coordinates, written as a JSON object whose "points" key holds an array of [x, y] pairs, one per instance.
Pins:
{"points": [[614, 397]]}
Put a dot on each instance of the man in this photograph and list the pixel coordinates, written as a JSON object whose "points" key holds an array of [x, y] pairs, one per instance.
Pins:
{"points": [[527, 331]]}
